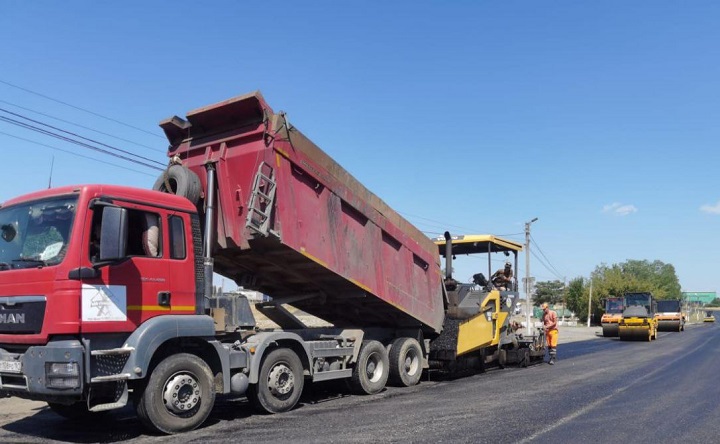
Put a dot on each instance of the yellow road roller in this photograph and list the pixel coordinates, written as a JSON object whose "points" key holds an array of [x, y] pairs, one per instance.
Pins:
{"points": [[670, 316], [638, 319], [611, 318]]}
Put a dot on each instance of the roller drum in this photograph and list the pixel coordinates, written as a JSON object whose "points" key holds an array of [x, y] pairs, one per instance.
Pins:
{"points": [[669, 325], [610, 330], [635, 333]]}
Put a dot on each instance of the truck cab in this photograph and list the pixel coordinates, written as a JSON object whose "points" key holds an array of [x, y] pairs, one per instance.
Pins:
{"points": [[87, 275]]}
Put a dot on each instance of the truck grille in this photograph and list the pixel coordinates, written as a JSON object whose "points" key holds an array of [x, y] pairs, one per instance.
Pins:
{"points": [[22, 315]]}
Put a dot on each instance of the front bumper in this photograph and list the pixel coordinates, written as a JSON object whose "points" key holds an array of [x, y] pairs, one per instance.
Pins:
{"points": [[44, 372]]}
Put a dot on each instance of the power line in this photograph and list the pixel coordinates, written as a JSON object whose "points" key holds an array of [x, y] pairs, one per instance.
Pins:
{"points": [[80, 137], [543, 255], [79, 109], [75, 154], [82, 126], [554, 273], [76, 142]]}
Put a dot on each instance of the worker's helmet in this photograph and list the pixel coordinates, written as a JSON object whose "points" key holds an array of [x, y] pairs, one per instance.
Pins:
{"points": [[508, 264], [544, 305]]}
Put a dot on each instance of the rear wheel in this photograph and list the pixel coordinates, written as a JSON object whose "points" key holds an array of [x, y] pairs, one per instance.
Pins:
{"points": [[179, 395], [370, 373], [405, 362], [280, 382]]}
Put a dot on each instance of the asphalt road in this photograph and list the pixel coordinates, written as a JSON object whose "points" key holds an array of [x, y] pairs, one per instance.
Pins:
{"points": [[600, 390]]}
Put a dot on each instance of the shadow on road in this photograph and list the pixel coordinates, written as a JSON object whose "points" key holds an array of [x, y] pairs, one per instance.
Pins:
{"points": [[109, 427]]}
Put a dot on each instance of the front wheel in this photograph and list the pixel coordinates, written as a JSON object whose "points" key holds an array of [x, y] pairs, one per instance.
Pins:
{"points": [[179, 395], [280, 382]]}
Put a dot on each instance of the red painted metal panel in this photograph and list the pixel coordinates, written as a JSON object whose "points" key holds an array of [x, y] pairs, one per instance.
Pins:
{"points": [[333, 248], [63, 313]]}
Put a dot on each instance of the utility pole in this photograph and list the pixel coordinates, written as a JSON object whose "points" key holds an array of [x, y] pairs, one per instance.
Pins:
{"points": [[564, 299], [590, 301], [528, 287]]}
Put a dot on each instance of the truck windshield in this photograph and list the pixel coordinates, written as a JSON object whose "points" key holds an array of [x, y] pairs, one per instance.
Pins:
{"points": [[37, 233]]}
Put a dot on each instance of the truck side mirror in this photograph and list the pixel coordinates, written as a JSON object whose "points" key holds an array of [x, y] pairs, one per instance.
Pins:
{"points": [[113, 234]]}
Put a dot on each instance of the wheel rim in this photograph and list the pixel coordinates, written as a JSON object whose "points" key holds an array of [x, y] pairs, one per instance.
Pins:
{"points": [[374, 368], [412, 363], [182, 392], [281, 380]]}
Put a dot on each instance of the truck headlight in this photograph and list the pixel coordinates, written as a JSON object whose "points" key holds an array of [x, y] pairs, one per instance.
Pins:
{"points": [[62, 375]]}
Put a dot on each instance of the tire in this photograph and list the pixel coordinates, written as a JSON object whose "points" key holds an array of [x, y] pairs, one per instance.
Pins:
{"points": [[405, 358], [370, 373], [182, 182], [280, 382], [75, 411], [179, 395]]}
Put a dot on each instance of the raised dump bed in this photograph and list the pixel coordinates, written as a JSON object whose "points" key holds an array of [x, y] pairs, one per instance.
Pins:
{"points": [[295, 225]]}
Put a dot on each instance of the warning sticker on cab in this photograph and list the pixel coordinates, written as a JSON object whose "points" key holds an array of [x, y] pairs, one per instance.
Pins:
{"points": [[104, 303]]}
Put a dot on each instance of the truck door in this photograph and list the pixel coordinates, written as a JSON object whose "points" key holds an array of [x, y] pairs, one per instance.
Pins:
{"points": [[182, 262], [123, 295]]}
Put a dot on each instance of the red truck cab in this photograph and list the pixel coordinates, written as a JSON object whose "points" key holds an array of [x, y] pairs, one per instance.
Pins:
{"points": [[58, 300]]}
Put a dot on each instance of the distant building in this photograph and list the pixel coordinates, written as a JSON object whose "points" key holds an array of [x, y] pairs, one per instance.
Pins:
{"points": [[703, 297]]}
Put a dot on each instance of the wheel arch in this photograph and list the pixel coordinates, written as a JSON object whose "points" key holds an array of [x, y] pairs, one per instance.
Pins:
{"points": [[163, 336], [263, 343]]}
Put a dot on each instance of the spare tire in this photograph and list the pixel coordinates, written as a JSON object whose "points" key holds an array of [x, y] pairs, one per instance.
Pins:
{"points": [[181, 181]]}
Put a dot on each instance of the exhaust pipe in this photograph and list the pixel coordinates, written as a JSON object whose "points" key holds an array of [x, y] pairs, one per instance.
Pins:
{"points": [[448, 255], [208, 261]]}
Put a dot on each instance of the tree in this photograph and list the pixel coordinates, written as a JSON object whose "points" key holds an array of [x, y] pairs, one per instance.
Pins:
{"points": [[655, 277], [576, 298], [548, 291], [659, 277]]}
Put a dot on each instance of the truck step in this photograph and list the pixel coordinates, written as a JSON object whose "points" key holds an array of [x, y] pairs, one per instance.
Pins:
{"points": [[111, 378], [332, 374], [113, 351]]}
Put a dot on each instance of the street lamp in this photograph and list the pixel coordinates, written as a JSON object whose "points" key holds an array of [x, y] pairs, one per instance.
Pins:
{"points": [[527, 275]]}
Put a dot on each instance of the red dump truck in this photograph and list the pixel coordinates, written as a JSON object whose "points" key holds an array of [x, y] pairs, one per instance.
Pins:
{"points": [[106, 291]]}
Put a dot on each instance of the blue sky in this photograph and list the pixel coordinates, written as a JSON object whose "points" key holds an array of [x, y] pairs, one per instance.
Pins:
{"points": [[599, 118]]}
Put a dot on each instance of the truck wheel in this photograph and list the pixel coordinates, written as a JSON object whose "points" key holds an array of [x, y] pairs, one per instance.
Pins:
{"points": [[74, 411], [179, 395], [280, 382], [370, 373], [182, 182], [405, 362]]}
